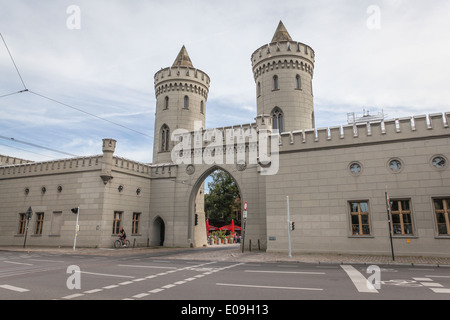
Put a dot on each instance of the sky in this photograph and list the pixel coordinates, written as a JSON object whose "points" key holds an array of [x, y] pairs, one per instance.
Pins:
{"points": [[89, 70]]}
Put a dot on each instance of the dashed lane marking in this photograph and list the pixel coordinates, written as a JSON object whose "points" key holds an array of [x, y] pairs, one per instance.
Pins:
{"points": [[13, 288]]}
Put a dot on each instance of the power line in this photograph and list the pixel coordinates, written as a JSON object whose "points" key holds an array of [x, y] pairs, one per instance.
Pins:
{"points": [[62, 103], [88, 113], [10, 55], [37, 146], [10, 94]]}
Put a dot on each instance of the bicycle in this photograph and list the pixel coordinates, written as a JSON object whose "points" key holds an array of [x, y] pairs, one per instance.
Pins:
{"points": [[119, 243]]}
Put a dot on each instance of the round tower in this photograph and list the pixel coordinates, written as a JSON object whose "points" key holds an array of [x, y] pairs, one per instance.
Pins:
{"points": [[181, 93], [283, 72]]}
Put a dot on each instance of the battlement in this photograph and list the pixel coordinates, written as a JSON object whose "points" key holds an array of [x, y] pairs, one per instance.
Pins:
{"points": [[72, 165], [421, 126], [7, 160], [286, 54], [182, 79]]}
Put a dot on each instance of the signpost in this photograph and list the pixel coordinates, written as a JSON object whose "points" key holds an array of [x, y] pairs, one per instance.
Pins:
{"points": [[389, 215], [28, 215], [289, 226], [244, 215], [77, 227]]}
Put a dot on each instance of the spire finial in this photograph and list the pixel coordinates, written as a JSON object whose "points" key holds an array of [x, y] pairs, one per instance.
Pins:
{"points": [[183, 59], [281, 34]]}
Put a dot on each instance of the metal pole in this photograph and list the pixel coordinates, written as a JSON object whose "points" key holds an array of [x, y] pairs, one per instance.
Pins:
{"points": [[76, 230], [243, 235], [388, 207], [27, 217], [26, 232], [289, 226]]}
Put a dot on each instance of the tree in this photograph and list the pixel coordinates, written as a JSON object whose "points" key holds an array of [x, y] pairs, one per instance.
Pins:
{"points": [[222, 197]]}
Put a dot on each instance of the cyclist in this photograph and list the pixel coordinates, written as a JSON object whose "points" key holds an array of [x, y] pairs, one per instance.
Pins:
{"points": [[123, 236]]}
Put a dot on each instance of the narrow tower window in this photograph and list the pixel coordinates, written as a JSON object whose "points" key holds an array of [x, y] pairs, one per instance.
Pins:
{"points": [[277, 117], [275, 83], [186, 102], [165, 138], [166, 103], [259, 89], [298, 83], [202, 107]]}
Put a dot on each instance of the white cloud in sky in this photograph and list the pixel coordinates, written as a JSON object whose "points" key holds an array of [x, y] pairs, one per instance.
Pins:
{"points": [[106, 68]]}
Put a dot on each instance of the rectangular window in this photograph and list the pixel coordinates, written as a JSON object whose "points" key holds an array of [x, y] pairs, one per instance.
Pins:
{"points": [[401, 217], [359, 217], [442, 212], [116, 222], [22, 223], [136, 218], [39, 223]]}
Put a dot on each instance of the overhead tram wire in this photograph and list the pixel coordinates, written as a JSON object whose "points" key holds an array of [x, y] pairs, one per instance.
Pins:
{"points": [[38, 146], [59, 102], [88, 113], [14, 63]]}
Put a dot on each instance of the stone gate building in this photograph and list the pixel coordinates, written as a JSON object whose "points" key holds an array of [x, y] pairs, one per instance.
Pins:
{"points": [[336, 178]]}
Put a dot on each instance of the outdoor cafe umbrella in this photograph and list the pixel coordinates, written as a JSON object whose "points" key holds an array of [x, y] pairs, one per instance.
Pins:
{"points": [[210, 227], [231, 227]]}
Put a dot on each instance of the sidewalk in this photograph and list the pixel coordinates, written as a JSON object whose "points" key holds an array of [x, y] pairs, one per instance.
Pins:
{"points": [[232, 252]]}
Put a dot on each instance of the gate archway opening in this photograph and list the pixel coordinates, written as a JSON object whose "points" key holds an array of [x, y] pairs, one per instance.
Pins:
{"points": [[216, 198]]}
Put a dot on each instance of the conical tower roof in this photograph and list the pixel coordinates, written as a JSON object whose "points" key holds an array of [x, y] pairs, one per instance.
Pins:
{"points": [[281, 34], [183, 59]]}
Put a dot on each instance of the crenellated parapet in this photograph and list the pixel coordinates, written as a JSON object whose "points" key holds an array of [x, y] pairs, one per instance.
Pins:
{"points": [[50, 167], [283, 55], [181, 78], [392, 130], [7, 160]]}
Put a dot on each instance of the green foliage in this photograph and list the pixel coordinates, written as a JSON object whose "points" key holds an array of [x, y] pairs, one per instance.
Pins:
{"points": [[221, 200]]}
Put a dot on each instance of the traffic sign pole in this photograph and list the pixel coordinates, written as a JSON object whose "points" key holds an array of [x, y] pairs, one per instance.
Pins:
{"points": [[76, 228], [245, 223], [289, 226]]}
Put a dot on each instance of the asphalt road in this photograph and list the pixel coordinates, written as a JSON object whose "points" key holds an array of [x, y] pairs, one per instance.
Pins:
{"points": [[44, 276]]}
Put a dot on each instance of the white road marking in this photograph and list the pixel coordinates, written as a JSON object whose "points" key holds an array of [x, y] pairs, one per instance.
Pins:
{"points": [[72, 296], [106, 275], [440, 290], [266, 287], [291, 272], [17, 289], [140, 266], [360, 282], [22, 263]]}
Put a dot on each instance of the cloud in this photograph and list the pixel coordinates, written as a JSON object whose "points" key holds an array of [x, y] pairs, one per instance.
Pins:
{"points": [[107, 66]]}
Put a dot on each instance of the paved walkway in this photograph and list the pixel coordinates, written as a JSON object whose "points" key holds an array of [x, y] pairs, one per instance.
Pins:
{"points": [[232, 252]]}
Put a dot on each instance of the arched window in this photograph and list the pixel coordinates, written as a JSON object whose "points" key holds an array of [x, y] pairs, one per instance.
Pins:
{"points": [[186, 102], [258, 92], [166, 103], [202, 107], [298, 82], [277, 119], [165, 137], [275, 82]]}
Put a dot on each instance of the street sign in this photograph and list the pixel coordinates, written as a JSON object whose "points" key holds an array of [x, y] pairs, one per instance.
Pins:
{"points": [[245, 206]]}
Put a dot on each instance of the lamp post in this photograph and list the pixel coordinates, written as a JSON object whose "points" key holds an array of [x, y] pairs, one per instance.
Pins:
{"points": [[28, 215], [77, 212]]}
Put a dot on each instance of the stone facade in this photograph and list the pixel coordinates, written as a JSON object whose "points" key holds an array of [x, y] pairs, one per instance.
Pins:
{"points": [[336, 178]]}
